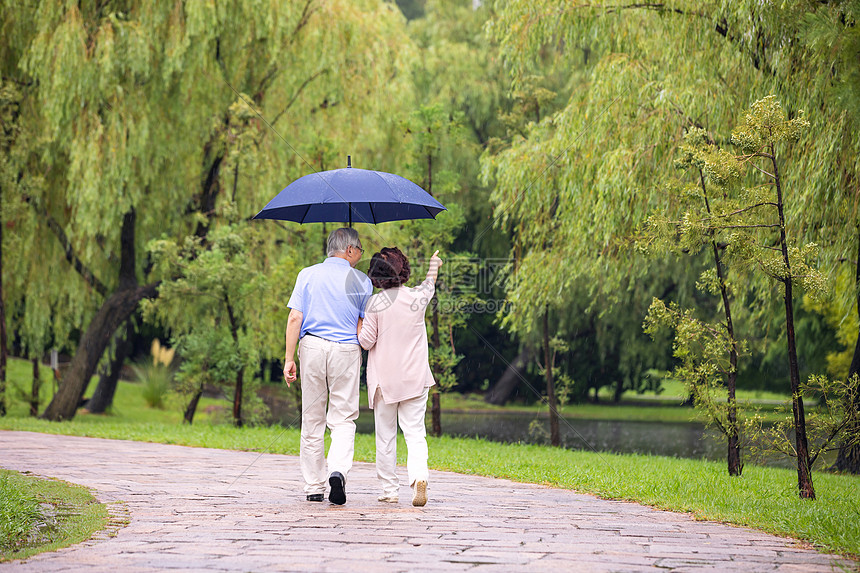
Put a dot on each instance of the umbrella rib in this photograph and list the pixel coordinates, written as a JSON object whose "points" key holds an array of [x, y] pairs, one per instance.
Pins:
{"points": [[394, 192]]}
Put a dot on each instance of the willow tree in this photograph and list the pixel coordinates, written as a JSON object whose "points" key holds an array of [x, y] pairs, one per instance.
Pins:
{"points": [[652, 70], [129, 107], [830, 33]]}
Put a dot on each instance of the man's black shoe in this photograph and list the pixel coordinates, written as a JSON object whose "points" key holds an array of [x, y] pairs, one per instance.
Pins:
{"points": [[316, 496], [337, 495]]}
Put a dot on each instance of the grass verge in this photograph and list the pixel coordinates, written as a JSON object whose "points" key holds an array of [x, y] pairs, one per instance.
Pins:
{"points": [[38, 514]]}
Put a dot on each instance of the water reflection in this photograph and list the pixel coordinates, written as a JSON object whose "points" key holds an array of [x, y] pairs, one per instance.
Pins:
{"points": [[674, 439], [684, 440]]}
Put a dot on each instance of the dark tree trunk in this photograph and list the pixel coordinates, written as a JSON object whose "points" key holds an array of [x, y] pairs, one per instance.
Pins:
{"points": [[733, 457], [102, 398], [116, 309], [804, 471], [619, 391], [508, 382], [554, 436], [211, 187], [3, 349], [240, 376], [436, 403], [848, 458], [436, 408], [736, 467], [191, 409], [34, 390]]}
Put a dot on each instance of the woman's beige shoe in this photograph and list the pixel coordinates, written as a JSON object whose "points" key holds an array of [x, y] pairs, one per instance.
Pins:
{"points": [[388, 498], [419, 493]]}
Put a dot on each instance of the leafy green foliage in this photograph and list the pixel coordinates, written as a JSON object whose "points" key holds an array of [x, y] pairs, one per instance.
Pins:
{"points": [[212, 305], [836, 418]]}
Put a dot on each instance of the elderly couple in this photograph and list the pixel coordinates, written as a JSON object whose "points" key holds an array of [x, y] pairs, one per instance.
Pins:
{"points": [[332, 312]]}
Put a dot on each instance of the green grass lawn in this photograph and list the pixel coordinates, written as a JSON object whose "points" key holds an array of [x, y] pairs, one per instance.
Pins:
{"points": [[129, 404], [38, 514], [764, 497]]}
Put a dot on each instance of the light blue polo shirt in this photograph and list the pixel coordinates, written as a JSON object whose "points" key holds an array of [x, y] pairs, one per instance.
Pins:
{"points": [[331, 297]]}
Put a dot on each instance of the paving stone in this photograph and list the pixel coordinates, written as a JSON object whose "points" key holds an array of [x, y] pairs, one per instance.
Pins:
{"points": [[197, 509]]}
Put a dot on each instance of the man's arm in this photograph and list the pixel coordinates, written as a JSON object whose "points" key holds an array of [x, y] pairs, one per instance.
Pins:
{"points": [[294, 328]]}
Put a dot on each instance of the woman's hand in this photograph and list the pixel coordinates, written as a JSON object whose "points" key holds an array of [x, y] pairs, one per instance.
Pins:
{"points": [[435, 260], [433, 270]]}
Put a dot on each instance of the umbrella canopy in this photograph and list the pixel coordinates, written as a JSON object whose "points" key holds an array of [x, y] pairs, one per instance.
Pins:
{"points": [[351, 195]]}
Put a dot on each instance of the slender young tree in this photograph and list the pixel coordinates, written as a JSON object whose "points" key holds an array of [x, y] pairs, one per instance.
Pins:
{"points": [[764, 127], [703, 347]]}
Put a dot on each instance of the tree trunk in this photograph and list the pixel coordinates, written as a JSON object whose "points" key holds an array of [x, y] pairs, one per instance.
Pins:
{"points": [[804, 471], [114, 311], [191, 409], [554, 436], [619, 391], [34, 391], [436, 404], [734, 453], [508, 382], [733, 457], [436, 407], [848, 458], [102, 398], [240, 376], [3, 349]]}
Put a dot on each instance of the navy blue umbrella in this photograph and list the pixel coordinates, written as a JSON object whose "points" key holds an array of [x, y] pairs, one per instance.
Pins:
{"points": [[351, 195]]}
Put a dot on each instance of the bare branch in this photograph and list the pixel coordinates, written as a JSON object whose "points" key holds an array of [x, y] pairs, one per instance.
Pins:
{"points": [[307, 12], [298, 92], [748, 208], [771, 175], [68, 249], [656, 6], [749, 226]]}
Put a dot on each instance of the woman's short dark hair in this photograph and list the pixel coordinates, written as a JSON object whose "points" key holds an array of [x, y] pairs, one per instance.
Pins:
{"points": [[389, 268]]}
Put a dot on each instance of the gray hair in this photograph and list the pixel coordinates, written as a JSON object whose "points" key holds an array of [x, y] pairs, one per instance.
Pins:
{"points": [[340, 239]]}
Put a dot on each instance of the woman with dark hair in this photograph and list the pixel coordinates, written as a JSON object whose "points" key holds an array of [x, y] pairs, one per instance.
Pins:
{"points": [[398, 368]]}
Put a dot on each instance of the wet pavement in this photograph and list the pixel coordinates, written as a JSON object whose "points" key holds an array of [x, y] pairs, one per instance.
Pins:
{"points": [[185, 509]]}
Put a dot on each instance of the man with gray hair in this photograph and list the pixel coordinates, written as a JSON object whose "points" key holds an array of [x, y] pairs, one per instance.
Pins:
{"points": [[326, 306]]}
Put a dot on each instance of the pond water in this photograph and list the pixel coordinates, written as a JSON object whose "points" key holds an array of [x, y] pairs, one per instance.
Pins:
{"points": [[681, 440]]}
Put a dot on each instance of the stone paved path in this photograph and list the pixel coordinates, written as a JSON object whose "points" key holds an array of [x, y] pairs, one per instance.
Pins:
{"points": [[187, 511]]}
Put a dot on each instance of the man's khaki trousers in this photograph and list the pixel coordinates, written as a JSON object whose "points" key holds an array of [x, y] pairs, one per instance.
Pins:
{"points": [[329, 372]]}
